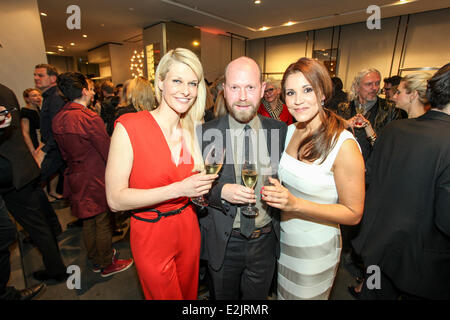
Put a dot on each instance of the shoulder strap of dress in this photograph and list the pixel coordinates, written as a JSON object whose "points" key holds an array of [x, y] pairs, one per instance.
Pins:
{"points": [[290, 132], [343, 136]]}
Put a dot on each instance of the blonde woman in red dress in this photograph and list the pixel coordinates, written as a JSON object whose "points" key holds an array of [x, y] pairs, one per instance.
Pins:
{"points": [[151, 170]]}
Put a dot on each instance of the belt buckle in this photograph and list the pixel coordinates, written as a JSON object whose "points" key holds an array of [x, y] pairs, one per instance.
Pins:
{"points": [[255, 234]]}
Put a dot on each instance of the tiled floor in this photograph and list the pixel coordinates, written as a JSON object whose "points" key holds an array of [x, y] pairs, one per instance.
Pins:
{"points": [[121, 286]]}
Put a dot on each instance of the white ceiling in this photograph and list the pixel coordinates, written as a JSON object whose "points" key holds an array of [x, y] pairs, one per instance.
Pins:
{"points": [[123, 20]]}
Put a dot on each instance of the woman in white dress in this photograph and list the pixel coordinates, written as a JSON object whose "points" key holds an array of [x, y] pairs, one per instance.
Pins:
{"points": [[322, 172]]}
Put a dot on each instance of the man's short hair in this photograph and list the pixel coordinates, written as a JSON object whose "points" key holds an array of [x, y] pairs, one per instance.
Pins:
{"points": [[51, 70], [107, 87], [394, 80]]}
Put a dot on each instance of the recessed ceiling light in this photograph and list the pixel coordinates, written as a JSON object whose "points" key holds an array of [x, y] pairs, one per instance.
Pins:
{"points": [[263, 28], [50, 52], [60, 47], [84, 35], [43, 14], [257, 1], [195, 43], [72, 44], [289, 23], [62, 50]]}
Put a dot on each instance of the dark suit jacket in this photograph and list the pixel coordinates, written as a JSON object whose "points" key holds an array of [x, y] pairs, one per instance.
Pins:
{"points": [[405, 229], [216, 226], [16, 161]]}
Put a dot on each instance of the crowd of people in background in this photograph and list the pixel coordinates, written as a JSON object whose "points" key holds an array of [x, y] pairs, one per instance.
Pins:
{"points": [[355, 177]]}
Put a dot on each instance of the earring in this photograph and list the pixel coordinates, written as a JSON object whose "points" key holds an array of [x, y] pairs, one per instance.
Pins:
{"points": [[322, 103]]}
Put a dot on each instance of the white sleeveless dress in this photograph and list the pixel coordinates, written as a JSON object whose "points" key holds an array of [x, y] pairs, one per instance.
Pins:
{"points": [[310, 251]]}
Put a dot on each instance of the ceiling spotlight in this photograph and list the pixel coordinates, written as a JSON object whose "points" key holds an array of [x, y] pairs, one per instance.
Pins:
{"points": [[263, 28], [84, 35], [43, 14], [72, 44], [50, 52], [195, 43], [60, 47], [257, 1], [289, 23], [62, 50]]}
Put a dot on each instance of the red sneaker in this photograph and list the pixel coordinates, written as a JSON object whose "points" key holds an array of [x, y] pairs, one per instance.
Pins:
{"points": [[115, 256], [116, 267]]}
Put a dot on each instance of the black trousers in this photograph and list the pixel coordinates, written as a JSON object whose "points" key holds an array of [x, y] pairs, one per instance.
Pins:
{"points": [[247, 270], [7, 237], [30, 207]]}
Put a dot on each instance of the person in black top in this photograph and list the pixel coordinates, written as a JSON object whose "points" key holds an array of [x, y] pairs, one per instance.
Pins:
{"points": [[30, 118], [49, 157], [339, 96], [24, 199], [137, 95]]}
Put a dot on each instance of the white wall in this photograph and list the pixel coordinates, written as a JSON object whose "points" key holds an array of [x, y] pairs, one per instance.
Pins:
{"points": [[23, 44], [428, 41], [426, 45], [120, 60], [216, 53]]}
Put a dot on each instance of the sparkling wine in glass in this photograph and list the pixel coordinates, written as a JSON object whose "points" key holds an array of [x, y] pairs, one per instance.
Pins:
{"points": [[213, 164], [250, 178], [359, 111]]}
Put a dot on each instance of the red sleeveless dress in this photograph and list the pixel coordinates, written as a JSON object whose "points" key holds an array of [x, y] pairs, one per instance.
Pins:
{"points": [[166, 252]]}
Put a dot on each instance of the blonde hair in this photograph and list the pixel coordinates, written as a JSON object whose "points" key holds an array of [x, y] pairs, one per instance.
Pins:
{"points": [[220, 106], [354, 90], [417, 82], [195, 114], [139, 92]]}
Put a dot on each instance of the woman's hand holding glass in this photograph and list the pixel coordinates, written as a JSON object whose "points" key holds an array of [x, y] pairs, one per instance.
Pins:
{"points": [[197, 185], [213, 164], [277, 196]]}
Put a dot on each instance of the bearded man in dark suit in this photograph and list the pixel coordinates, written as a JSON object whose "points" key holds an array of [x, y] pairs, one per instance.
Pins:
{"points": [[242, 251]]}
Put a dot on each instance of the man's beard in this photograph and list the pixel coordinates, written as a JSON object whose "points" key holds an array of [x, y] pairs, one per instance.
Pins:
{"points": [[242, 117]]}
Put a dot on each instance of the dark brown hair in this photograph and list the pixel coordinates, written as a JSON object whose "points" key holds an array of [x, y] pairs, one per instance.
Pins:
{"points": [[318, 144], [51, 70], [438, 90]]}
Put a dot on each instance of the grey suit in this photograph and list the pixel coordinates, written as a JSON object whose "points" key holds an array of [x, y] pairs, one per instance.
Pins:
{"points": [[217, 224]]}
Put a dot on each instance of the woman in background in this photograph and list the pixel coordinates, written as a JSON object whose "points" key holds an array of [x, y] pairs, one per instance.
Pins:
{"points": [[137, 95], [30, 119], [410, 95]]}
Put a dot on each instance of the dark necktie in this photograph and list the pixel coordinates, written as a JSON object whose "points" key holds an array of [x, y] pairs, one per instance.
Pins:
{"points": [[247, 223]]}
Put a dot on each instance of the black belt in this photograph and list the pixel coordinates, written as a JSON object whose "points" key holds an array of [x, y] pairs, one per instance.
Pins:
{"points": [[255, 234], [160, 214]]}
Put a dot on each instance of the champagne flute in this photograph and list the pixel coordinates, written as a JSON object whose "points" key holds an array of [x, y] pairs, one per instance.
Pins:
{"points": [[359, 111], [213, 164], [250, 178]]}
